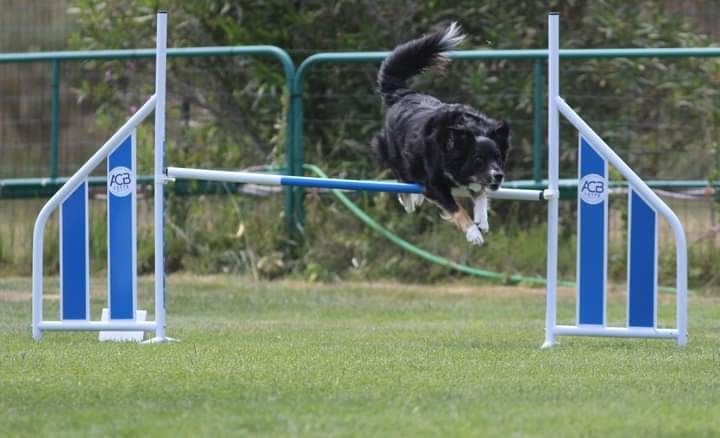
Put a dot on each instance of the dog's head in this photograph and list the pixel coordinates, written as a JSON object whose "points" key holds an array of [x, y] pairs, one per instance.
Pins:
{"points": [[475, 148]]}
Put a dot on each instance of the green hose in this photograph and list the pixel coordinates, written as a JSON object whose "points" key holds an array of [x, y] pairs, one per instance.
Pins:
{"points": [[433, 258]]}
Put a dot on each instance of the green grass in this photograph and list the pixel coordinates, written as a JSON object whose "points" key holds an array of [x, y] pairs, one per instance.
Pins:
{"points": [[354, 359]]}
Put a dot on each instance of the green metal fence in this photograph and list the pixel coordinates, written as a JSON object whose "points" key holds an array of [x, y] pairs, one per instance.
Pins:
{"points": [[295, 80], [539, 56], [41, 187]]}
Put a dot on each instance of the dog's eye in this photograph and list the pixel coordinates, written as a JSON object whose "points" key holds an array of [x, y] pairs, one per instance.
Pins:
{"points": [[478, 160]]}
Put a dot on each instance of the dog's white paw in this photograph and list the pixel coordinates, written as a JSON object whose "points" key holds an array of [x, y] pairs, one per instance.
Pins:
{"points": [[406, 202], [484, 227], [410, 200], [474, 236]]}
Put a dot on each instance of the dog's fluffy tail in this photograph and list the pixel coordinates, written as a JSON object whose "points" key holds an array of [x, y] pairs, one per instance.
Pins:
{"points": [[412, 58]]}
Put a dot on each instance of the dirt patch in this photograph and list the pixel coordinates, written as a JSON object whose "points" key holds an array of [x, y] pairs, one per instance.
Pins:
{"points": [[14, 296], [464, 287]]}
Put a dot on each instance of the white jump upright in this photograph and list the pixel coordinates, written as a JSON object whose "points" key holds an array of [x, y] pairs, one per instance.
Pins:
{"points": [[644, 207], [72, 200], [159, 177]]}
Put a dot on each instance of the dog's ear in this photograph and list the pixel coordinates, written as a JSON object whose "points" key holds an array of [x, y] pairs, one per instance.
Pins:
{"points": [[501, 134], [501, 130]]}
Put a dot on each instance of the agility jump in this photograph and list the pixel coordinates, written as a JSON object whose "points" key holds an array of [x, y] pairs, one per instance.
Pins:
{"points": [[595, 155]]}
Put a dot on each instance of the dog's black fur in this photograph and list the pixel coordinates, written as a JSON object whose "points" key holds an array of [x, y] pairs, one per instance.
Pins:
{"points": [[430, 142]]}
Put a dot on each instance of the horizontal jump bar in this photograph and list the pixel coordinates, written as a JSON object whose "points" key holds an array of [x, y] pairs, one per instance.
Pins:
{"points": [[336, 183]]}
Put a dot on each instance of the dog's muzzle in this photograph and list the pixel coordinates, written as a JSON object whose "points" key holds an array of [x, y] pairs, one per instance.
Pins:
{"points": [[496, 178]]}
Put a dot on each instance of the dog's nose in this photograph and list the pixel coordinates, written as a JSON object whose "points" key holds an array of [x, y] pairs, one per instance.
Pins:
{"points": [[498, 176]]}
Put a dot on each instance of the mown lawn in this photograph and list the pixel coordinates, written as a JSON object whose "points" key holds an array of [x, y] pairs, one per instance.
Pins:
{"points": [[354, 359]]}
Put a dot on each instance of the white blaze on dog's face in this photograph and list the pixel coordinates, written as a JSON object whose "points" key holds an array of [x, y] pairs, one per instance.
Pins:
{"points": [[485, 163], [484, 158]]}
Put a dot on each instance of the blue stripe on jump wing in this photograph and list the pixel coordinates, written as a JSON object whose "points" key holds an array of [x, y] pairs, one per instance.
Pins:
{"points": [[350, 184], [642, 263], [121, 236], [74, 254], [592, 230]]}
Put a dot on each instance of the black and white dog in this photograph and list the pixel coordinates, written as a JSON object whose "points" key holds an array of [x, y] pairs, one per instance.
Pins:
{"points": [[437, 144]]}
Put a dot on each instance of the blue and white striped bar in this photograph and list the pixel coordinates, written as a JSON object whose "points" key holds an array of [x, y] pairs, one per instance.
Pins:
{"points": [[74, 258], [592, 236], [122, 236], [642, 262], [72, 198], [334, 183]]}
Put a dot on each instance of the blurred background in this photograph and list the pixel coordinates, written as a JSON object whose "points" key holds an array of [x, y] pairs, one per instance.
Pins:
{"points": [[662, 115]]}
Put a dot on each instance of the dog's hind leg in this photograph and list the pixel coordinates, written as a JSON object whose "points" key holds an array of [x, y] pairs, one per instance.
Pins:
{"points": [[480, 212]]}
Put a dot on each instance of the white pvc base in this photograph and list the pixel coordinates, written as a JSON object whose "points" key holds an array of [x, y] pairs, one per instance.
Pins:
{"points": [[94, 326], [122, 336], [619, 332], [613, 332], [159, 340], [548, 344]]}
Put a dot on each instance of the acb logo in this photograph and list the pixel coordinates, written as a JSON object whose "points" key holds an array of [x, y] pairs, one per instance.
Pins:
{"points": [[593, 188], [121, 181]]}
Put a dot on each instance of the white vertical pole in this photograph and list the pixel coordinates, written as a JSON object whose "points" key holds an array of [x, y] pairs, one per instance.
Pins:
{"points": [[160, 71], [37, 276], [681, 282], [553, 164]]}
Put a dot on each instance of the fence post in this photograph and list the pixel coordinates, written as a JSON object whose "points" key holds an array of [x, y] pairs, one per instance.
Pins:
{"points": [[54, 117], [299, 160], [538, 121], [290, 158], [296, 219]]}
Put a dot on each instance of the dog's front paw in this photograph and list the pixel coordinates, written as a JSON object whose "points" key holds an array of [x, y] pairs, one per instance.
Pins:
{"points": [[474, 236], [410, 200], [484, 227]]}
